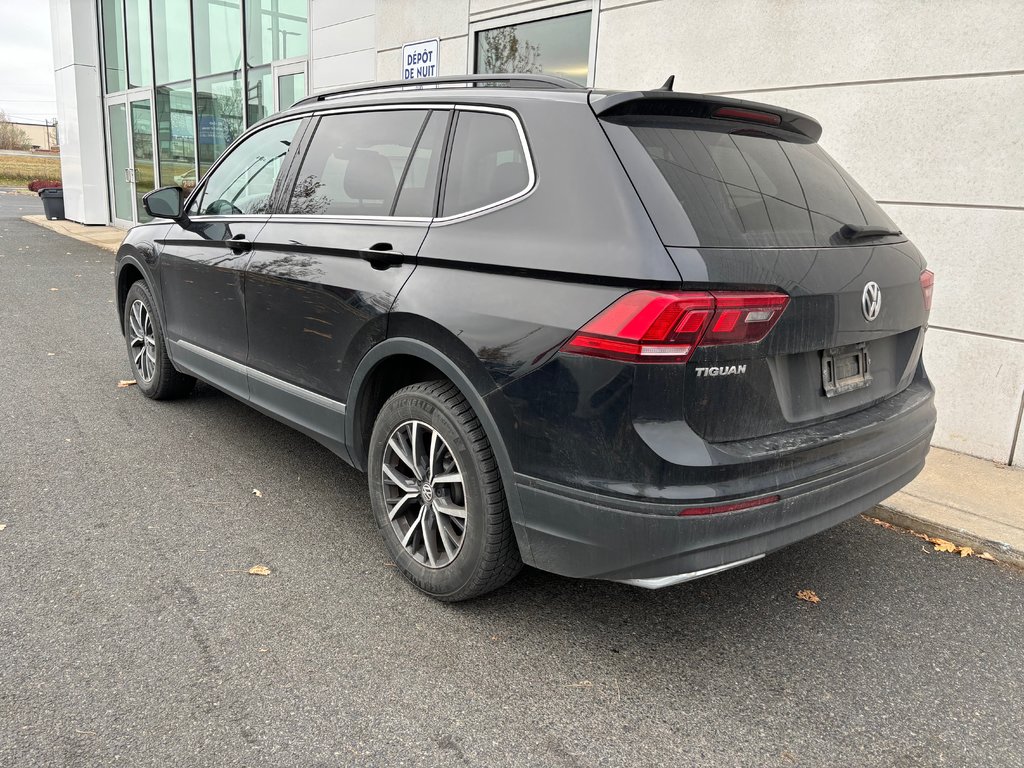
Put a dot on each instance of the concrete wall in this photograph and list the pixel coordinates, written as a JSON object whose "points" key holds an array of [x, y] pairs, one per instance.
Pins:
{"points": [[919, 99], [79, 111]]}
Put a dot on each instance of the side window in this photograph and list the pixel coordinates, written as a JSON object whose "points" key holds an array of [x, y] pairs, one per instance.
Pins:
{"points": [[488, 163], [420, 183], [354, 163], [242, 184]]}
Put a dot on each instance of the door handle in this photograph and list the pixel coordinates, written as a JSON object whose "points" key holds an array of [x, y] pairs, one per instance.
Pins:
{"points": [[382, 256], [127, 175], [239, 244]]}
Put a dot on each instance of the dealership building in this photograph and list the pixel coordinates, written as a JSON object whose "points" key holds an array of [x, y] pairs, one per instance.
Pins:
{"points": [[921, 102]]}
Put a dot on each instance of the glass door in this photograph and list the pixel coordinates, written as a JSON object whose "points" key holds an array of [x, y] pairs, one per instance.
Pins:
{"points": [[143, 169], [289, 83], [132, 159]]}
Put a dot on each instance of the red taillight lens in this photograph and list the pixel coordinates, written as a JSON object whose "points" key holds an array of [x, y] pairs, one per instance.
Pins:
{"points": [[927, 287], [665, 327], [750, 115]]}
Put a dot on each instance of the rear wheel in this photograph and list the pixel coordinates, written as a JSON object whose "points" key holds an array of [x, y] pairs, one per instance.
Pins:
{"points": [[155, 375], [437, 495]]}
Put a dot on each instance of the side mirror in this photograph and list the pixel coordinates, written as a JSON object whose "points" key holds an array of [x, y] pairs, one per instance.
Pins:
{"points": [[164, 203]]}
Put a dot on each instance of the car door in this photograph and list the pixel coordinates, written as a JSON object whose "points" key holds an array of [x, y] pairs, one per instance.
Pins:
{"points": [[203, 259], [328, 266]]}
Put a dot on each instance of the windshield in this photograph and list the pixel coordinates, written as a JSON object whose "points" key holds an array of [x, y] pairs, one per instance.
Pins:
{"points": [[739, 188]]}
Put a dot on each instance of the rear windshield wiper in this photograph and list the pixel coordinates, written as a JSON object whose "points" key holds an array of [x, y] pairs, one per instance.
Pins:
{"points": [[855, 231]]}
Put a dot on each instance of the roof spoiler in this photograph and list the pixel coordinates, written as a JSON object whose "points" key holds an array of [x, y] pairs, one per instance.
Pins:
{"points": [[664, 102]]}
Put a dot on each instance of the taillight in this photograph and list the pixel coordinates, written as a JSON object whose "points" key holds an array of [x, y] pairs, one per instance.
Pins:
{"points": [[665, 327], [927, 287]]}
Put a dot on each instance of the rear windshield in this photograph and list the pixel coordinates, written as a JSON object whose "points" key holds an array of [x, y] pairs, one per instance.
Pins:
{"points": [[712, 185]]}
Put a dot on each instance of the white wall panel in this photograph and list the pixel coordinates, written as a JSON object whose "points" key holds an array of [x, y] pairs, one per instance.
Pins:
{"points": [[935, 141], [344, 69], [979, 382], [346, 37], [325, 13], [976, 256], [711, 45], [400, 22]]}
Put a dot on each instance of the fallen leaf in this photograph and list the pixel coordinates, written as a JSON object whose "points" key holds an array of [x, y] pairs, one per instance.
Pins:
{"points": [[257, 493], [55, 289], [809, 595], [941, 545], [125, 383], [259, 570], [965, 551], [986, 556], [2, 526]]}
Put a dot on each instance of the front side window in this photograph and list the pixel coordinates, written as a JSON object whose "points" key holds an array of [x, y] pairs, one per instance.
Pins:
{"points": [[558, 46], [356, 162], [488, 163], [243, 183]]}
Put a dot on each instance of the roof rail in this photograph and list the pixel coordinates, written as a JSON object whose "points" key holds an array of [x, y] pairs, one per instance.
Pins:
{"points": [[467, 81]]}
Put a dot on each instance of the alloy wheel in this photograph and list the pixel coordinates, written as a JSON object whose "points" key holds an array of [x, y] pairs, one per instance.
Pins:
{"points": [[424, 494], [141, 340]]}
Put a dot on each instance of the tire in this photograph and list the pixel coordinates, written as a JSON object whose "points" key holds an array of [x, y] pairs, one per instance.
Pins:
{"points": [[155, 375], [485, 555]]}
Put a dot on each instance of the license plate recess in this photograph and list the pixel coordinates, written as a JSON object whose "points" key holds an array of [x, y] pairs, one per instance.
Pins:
{"points": [[844, 369]]}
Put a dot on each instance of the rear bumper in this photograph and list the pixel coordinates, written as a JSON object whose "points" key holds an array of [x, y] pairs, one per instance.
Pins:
{"points": [[586, 535]]}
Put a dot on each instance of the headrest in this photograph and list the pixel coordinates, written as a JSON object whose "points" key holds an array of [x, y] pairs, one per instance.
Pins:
{"points": [[369, 176]]}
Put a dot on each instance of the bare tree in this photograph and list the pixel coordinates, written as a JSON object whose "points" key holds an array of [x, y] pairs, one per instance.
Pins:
{"points": [[11, 136], [503, 51]]}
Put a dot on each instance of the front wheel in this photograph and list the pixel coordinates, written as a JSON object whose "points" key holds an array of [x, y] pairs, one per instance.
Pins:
{"points": [[155, 375], [437, 496]]}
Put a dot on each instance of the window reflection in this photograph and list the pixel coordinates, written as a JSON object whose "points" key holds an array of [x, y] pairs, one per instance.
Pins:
{"points": [[559, 46], [218, 34], [115, 70], [175, 126], [219, 109], [172, 48], [275, 30]]}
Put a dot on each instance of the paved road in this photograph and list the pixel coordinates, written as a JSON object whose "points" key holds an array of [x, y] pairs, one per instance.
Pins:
{"points": [[130, 635]]}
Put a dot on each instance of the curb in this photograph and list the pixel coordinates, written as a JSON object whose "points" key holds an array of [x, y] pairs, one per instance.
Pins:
{"points": [[1003, 552]]}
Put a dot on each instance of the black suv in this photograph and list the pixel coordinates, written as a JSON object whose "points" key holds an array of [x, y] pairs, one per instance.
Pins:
{"points": [[639, 336]]}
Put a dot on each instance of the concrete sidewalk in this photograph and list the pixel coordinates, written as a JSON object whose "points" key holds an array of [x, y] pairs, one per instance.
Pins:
{"points": [[966, 501], [108, 238]]}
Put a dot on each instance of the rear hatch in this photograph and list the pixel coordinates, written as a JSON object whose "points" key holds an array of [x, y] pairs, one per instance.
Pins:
{"points": [[745, 200]]}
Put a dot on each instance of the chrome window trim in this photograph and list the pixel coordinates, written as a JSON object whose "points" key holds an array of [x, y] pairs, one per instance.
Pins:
{"points": [[265, 378], [528, 190], [531, 181]]}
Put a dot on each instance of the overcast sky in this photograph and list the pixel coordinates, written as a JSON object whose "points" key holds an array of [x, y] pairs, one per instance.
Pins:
{"points": [[26, 60]]}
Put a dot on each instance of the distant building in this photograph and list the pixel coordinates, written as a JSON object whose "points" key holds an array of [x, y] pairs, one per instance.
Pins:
{"points": [[40, 135]]}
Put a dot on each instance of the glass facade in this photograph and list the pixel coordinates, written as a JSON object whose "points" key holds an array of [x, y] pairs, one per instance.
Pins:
{"points": [[184, 78], [172, 51], [275, 30], [140, 60], [557, 46], [175, 129], [219, 113]]}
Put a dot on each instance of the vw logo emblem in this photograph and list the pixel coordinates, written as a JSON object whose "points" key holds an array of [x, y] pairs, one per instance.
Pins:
{"points": [[871, 301]]}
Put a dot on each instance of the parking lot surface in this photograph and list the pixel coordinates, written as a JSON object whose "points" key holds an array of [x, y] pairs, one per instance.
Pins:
{"points": [[131, 633]]}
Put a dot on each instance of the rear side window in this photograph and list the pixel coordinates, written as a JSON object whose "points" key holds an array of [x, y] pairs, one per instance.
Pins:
{"points": [[355, 163], [739, 188], [488, 163]]}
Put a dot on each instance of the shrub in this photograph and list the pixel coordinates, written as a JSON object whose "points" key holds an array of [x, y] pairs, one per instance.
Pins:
{"points": [[38, 184]]}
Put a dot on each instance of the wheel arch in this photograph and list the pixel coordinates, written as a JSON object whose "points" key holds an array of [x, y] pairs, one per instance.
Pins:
{"points": [[425, 359], [130, 269]]}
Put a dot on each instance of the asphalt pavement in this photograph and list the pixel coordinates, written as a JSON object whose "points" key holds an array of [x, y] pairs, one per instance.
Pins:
{"points": [[131, 634]]}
